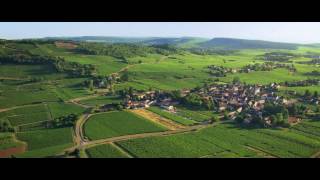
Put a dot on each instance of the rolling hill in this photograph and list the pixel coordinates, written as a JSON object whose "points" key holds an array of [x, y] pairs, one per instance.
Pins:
{"points": [[230, 43]]}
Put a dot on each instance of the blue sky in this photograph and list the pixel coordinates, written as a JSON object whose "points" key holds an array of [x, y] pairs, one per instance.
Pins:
{"points": [[297, 32]]}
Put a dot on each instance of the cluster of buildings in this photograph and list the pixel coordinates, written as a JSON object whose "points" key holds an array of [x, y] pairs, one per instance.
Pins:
{"points": [[146, 99], [234, 98]]}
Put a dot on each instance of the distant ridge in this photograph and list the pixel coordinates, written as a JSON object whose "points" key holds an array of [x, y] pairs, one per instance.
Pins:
{"points": [[188, 42], [105, 39], [183, 42], [231, 43]]}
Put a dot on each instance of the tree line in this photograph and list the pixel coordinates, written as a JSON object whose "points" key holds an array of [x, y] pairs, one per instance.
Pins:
{"points": [[123, 51], [59, 63]]}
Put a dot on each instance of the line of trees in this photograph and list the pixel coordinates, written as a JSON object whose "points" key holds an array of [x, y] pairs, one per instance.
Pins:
{"points": [[123, 50], [59, 63], [65, 121]]}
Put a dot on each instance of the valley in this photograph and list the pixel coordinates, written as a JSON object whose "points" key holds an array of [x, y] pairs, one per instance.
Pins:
{"points": [[103, 97]]}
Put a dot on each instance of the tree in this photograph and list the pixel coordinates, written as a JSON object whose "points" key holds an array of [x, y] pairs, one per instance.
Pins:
{"points": [[236, 80], [214, 119], [130, 91], [176, 95], [225, 116], [285, 114], [315, 95], [125, 76], [5, 126], [279, 118], [307, 93], [293, 110]]}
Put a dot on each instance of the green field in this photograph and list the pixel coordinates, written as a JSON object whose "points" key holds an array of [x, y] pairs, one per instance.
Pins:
{"points": [[101, 100], [39, 92], [173, 117], [105, 151], [232, 140], [27, 115], [113, 124], [62, 109], [46, 142]]}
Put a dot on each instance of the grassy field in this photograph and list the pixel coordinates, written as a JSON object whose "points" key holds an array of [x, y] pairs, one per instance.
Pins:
{"points": [[62, 109], [195, 115], [27, 115], [46, 142], [101, 100], [231, 140], [173, 117], [113, 124], [49, 93], [301, 90], [105, 151]]}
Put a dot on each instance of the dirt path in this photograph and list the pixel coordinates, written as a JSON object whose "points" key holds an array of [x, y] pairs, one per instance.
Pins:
{"points": [[158, 119], [316, 155], [12, 78], [144, 135], [79, 137], [261, 152], [121, 150], [16, 107]]}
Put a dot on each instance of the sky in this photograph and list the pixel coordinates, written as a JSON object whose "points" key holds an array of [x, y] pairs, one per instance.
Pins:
{"points": [[295, 32]]}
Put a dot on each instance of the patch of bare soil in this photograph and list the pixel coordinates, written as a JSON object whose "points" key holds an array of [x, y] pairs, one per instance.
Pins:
{"points": [[12, 151], [65, 45], [158, 119]]}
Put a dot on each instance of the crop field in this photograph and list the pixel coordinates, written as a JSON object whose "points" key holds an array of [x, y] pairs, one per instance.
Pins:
{"points": [[29, 71], [27, 115], [173, 117], [195, 115], [101, 100], [48, 141], [105, 151], [35, 92], [62, 109], [228, 138], [113, 124], [32, 127]]}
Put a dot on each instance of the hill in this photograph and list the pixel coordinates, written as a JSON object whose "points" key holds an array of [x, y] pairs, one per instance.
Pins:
{"points": [[103, 39], [183, 42], [230, 43]]}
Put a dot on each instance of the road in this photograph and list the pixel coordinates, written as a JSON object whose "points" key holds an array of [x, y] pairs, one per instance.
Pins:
{"points": [[16, 107], [79, 136], [83, 143]]}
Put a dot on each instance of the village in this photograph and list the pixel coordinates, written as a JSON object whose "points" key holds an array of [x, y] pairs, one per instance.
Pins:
{"points": [[228, 99]]}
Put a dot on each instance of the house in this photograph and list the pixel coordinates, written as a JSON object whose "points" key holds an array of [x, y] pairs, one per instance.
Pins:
{"points": [[168, 108]]}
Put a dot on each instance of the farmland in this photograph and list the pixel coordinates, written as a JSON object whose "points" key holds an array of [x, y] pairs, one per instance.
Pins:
{"points": [[105, 103], [46, 142], [113, 124], [105, 151], [228, 139], [172, 117]]}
